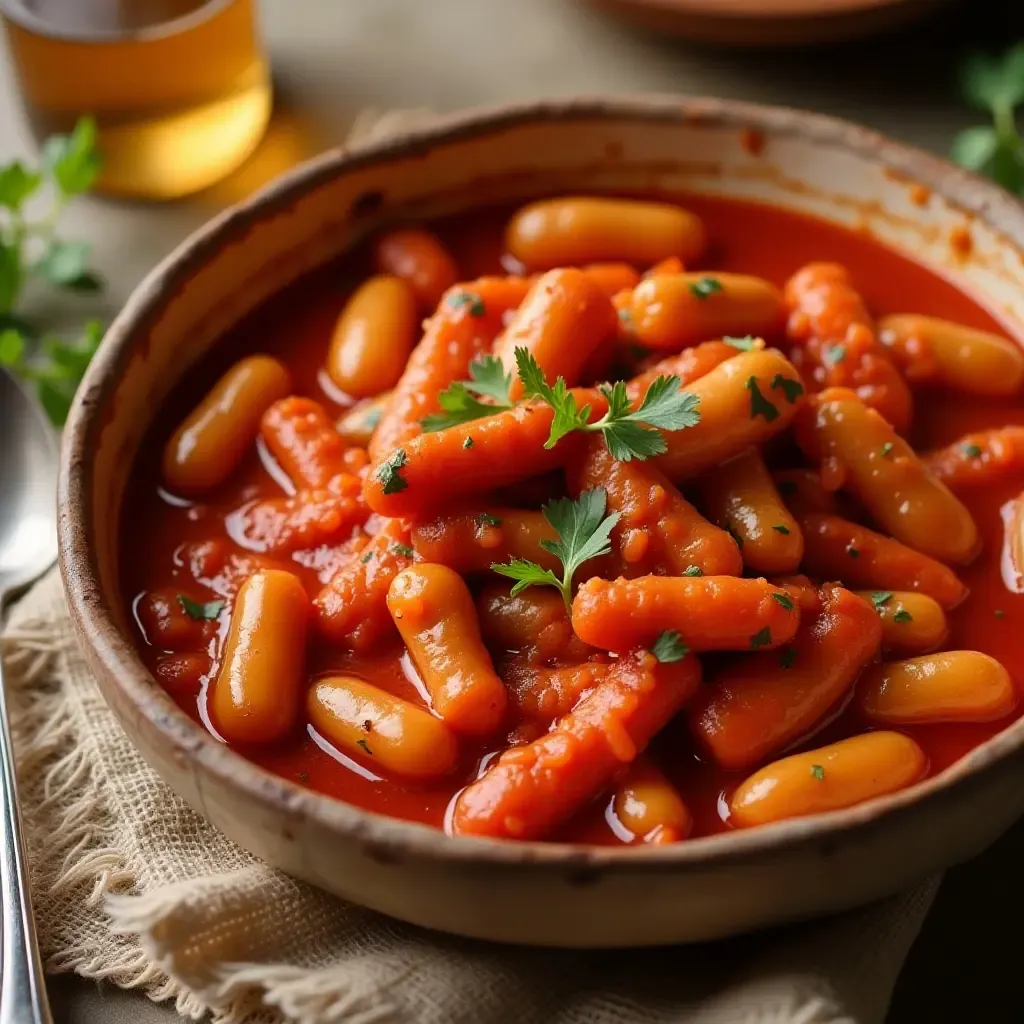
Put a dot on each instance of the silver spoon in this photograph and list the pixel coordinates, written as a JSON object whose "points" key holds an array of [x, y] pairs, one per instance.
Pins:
{"points": [[28, 547]]}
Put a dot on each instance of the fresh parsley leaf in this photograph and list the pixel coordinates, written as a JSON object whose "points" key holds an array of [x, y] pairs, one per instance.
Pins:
{"points": [[880, 598], [403, 550], [993, 83], [781, 528], [762, 638], [971, 451], [467, 300], [693, 570], [787, 657], [628, 434], [17, 183], [468, 442], [887, 449], [201, 612], [460, 401], [669, 647], [974, 147], [72, 160], [792, 389], [389, 473], [745, 344], [835, 354], [486, 519], [783, 599], [818, 772], [903, 616], [583, 532], [705, 287], [759, 405], [12, 347]]}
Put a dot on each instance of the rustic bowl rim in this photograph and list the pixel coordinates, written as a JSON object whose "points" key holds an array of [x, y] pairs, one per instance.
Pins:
{"points": [[119, 661]]}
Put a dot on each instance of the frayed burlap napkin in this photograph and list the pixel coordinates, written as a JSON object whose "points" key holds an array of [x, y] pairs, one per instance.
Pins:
{"points": [[130, 885]]}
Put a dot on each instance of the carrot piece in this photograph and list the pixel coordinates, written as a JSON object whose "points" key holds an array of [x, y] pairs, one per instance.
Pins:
{"points": [[835, 345], [980, 459], [438, 468], [561, 323], [612, 278], [741, 496], [672, 311], [468, 319], [803, 492], [301, 437], [690, 364], [658, 531], [911, 623], [647, 804], [352, 609], [543, 693], [711, 613], [861, 453], [669, 265], [743, 402], [837, 549], [420, 259], [531, 789], [433, 610], [829, 778], [279, 526], [472, 539], [533, 623], [933, 351], [761, 703]]}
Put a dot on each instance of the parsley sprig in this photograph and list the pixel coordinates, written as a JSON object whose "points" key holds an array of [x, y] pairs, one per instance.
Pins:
{"points": [[583, 532], [628, 433], [461, 401], [31, 249], [995, 85]]}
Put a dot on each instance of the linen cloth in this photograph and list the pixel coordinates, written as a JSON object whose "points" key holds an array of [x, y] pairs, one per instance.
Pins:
{"points": [[132, 886]]}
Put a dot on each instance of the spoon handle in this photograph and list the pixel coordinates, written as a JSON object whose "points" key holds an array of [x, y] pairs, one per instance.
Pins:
{"points": [[22, 989]]}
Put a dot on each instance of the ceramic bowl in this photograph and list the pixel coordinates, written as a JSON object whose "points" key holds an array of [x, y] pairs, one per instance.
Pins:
{"points": [[766, 23], [548, 894]]}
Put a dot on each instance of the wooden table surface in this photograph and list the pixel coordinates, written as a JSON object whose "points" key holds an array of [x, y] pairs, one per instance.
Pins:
{"points": [[333, 59]]}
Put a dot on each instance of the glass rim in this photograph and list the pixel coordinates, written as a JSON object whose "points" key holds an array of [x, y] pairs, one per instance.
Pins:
{"points": [[19, 14]]}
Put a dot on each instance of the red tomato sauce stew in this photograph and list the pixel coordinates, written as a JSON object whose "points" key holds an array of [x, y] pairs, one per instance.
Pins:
{"points": [[775, 571]]}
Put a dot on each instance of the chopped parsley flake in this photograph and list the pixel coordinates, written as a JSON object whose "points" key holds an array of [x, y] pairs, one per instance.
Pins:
{"points": [[705, 287], [486, 519], [759, 405], [784, 599], [389, 472], [746, 344], [792, 389], [366, 746], [852, 551], [762, 638], [903, 616], [403, 549], [200, 611], [669, 647], [880, 598], [780, 528], [366, 557], [971, 451], [468, 442], [693, 570], [887, 449], [818, 772], [835, 354], [468, 300]]}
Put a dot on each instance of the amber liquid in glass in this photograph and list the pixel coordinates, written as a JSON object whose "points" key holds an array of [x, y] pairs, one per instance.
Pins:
{"points": [[180, 89]]}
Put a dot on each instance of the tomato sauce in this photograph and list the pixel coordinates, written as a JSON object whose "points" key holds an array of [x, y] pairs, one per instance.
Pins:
{"points": [[296, 327]]}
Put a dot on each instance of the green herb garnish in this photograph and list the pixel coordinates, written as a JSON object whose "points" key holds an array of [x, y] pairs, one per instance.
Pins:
{"points": [[759, 405], [468, 300], [461, 401], [389, 472], [628, 434], [200, 611], [879, 598], [903, 616], [402, 549], [887, 449], [971, 451], [852, 551], [669, 647], [783, 599], [468, 442], [762, 638], [818, 772], [780, 528], [486, 519], [366, 558], [583, 533], [705, 287], [693, 570], [792, 389], [366, 746], [745, 344], [835, 354]]}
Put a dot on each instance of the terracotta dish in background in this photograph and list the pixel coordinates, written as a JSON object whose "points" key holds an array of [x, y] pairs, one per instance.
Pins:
{"points": [[764, 23]]}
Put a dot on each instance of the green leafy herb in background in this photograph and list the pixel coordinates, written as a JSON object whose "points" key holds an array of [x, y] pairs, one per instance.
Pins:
{"points": [[30, 248], [995, 85]]}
